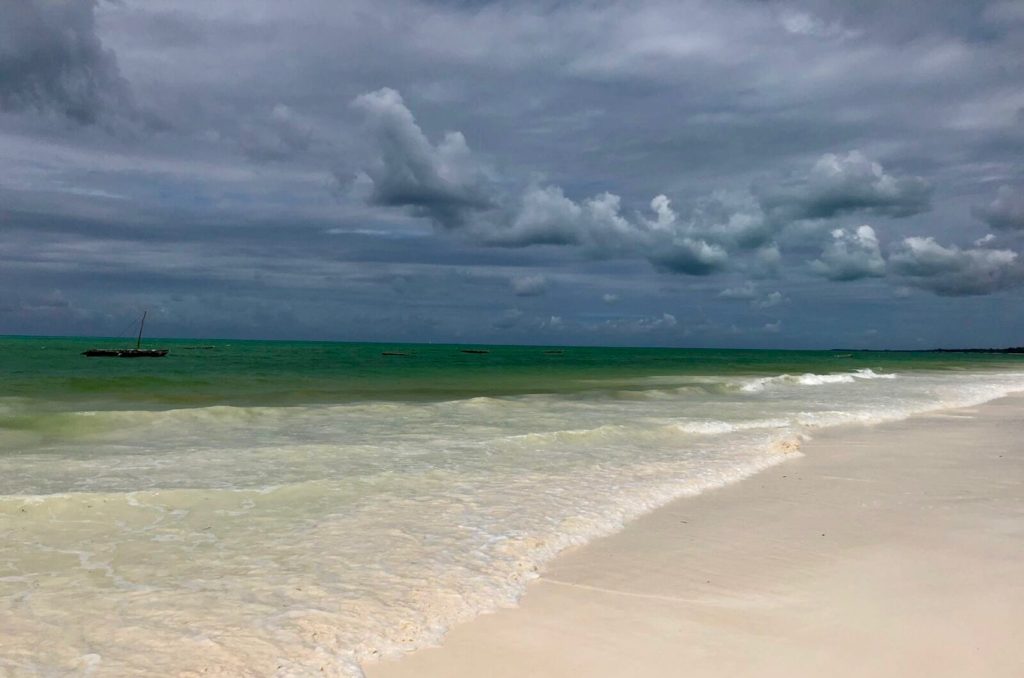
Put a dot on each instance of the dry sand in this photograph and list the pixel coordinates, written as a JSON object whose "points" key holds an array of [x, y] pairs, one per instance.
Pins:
{"points": [[895, 550]]}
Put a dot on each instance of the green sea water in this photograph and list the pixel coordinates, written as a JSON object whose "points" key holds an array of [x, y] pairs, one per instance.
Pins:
{"points": [[202, 372], [300, 508]]}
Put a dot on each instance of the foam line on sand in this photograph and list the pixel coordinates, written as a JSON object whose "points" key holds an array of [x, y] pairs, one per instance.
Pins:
{"points": [[893, 550]]}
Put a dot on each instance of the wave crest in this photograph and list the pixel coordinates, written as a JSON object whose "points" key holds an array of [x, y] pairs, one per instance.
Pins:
{"points": [[811, 379]]}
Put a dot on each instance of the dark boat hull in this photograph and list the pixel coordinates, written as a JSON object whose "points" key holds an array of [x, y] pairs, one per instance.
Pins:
{"points": [[125, 353]]}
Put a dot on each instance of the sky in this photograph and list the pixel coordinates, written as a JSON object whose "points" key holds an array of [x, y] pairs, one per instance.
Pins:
{"points": [[727, 173]]}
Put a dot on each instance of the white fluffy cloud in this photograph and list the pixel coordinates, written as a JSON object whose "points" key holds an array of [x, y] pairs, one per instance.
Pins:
{"points": [[952, 271], [851, 255], [545, 216], [843, 184], [731, 219], [447, 184], [548, 216]]}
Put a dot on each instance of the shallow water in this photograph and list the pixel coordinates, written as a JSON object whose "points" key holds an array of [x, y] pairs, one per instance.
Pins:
{"points": [[282, 508]]}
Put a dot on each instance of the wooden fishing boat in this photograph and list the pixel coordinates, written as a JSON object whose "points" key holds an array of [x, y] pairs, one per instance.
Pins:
{"points": [[137, 352]]}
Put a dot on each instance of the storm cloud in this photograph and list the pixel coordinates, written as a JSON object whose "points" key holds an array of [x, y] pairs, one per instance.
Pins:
{"points": [[441, 182], [953, 271], [529, 285], [447, 184], [1006, 211], [844, 184], [390, 168], [52, 61]]}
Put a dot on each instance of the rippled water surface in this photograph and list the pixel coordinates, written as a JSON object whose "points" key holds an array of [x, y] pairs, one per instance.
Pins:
{"points": [[282, 508]]}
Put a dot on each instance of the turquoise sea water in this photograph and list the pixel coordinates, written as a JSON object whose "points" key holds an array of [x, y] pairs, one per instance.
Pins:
{"points": [[208, 372], [282, 507]]}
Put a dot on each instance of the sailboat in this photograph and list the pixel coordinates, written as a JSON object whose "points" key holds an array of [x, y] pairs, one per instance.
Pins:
{"points": [[137, 352]]}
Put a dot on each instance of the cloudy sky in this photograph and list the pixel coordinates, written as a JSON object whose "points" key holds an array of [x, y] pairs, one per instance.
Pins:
{"points": [[663, 172]]}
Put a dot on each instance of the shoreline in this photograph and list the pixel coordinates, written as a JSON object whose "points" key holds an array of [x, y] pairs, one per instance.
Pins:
{"points": [[847, 559]]}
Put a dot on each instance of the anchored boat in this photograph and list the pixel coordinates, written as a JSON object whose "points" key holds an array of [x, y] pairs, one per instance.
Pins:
{"points": [[137, 352]]}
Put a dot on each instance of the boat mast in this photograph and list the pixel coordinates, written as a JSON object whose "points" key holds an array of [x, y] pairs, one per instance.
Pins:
{"points": [[142, 324]]}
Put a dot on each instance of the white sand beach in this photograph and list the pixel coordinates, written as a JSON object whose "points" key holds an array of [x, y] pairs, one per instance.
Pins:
{"points": [[894, 550]]}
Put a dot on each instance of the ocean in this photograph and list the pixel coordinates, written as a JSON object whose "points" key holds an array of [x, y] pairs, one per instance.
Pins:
{"points": [[288, 508]]}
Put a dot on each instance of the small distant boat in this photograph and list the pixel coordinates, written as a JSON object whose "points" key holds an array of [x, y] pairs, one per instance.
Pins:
{"points": [[137, 352], [125, 353], [473, 350]]}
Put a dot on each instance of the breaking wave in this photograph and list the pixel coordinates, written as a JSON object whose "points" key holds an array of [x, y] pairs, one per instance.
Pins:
{"points": [[756, 385], [335, 534]]}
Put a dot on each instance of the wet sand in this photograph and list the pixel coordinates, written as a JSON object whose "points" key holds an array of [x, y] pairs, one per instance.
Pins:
{"points": [[894, 550]]}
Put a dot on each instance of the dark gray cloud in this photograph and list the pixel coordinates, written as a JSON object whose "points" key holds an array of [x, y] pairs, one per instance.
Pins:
{"points": [[688, 256], [749, 292], [442, 182], [845, 184], [448, 185], [51, 60], [606, 148], [953, 271], [745, 292], [544, 215], [280, 135], [770, 300], [529, 285], [1005, 212]]}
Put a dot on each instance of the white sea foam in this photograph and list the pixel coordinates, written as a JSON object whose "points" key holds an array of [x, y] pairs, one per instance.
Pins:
{"points": [[286, 540], [712, 427], [809, 379]]}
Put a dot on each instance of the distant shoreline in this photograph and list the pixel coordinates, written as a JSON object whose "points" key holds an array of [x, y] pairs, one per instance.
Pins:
{"points": [[1012, 349], [1008, 350]]}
